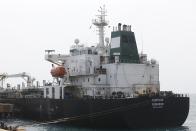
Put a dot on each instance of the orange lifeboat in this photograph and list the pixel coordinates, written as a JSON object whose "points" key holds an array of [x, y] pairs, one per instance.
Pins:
{"points": [[58, 71]]}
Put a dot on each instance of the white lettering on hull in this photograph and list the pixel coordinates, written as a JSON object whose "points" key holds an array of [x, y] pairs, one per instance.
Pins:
{"points": [[157, 103]]}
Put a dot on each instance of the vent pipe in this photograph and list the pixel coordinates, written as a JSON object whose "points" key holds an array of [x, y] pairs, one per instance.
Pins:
{"points": [[119, 26]]}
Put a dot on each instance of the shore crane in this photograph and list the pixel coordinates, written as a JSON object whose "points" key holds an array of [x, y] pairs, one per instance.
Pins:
{"points": [[23, 75]]}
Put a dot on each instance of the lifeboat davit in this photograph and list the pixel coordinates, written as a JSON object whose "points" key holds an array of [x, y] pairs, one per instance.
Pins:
{"points": [[58, 71]]}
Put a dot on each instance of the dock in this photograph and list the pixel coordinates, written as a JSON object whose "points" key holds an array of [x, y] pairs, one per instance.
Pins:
{"points": [[6, 108], [3, 130]]}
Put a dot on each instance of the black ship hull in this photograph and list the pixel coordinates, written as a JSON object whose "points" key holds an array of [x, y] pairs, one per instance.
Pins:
{"points": [[130, 112]]}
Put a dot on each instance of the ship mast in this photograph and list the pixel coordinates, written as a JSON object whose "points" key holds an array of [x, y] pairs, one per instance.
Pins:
{"points": [[100, 23]]}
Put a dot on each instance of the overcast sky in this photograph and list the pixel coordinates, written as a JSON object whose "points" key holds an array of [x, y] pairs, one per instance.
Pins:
{"points": [[165, 28]]}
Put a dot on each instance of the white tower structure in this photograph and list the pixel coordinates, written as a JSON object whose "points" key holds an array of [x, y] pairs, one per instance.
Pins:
{"points": [[100, 23]]}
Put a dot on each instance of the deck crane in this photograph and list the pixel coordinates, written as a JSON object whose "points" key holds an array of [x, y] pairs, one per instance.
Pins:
{"points": [[23, 75]]}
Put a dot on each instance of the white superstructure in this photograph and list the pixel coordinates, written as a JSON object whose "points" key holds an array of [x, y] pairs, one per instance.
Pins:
{"points": [[104, 71]]}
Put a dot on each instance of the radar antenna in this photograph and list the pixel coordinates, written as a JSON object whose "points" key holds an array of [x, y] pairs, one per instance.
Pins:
{"points": [[100, 23]]}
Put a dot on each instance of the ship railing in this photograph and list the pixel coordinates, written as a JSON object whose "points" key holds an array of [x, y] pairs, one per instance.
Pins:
{"points": [[124, 61], [103, 92], [170, 93], [106, 97], [181, 95], [163, 94]]}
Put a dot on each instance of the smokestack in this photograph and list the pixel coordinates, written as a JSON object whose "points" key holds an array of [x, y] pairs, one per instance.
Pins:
{"points": [[124, 27], [119, 26]]}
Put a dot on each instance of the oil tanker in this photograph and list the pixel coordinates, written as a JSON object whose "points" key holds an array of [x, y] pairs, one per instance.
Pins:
{"points": [[106, 85]]}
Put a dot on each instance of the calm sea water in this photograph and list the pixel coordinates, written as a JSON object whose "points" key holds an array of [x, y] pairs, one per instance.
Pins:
{"points": [[189, 125]]}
